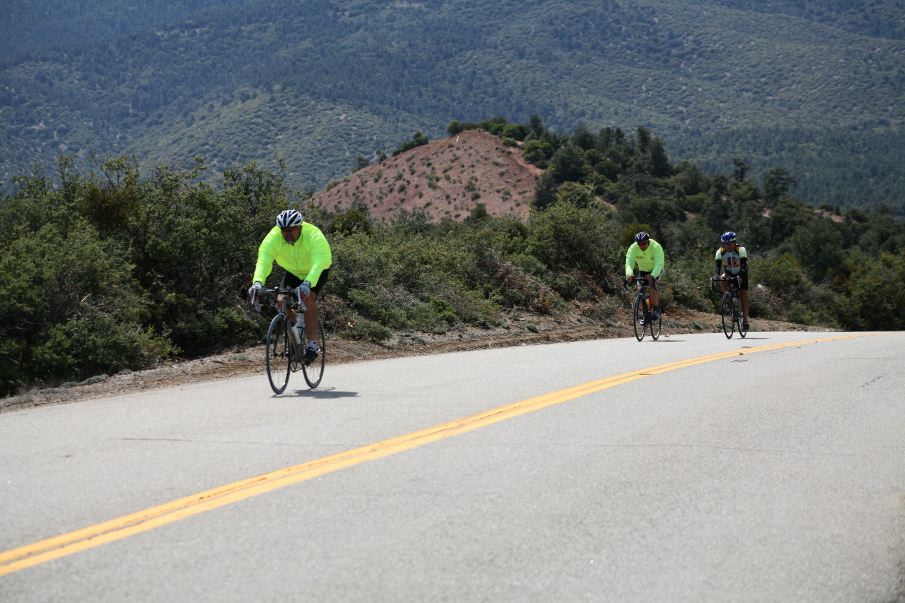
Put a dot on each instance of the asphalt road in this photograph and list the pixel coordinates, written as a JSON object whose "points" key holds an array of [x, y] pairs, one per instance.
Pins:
{"points": [[747, 475]]}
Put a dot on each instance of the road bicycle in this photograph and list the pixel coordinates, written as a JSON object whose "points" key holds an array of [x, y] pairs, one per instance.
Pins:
{"points": [[731, 307], [642, 315], [286, 342]]}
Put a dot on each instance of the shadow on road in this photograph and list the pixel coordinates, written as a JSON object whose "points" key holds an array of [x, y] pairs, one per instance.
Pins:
{"points": [[324, 394]]}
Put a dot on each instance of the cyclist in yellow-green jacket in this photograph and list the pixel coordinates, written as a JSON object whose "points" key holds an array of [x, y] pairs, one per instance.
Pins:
{"points": [[303, 251], [647, 255]]}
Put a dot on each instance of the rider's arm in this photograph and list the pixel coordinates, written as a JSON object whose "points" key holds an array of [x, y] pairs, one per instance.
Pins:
{"points": [[659, 261], [743, 258], [321, 255], [630, 258], [719, 262], [265, 256]]}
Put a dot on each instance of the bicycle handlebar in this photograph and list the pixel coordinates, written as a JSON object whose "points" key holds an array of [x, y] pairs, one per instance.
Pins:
{"points": [[732, 281], [638, 280], [273, 292]]}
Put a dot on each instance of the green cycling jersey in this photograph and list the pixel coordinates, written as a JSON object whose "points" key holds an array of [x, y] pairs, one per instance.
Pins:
{"points": [[306, 259], [648, 260]]}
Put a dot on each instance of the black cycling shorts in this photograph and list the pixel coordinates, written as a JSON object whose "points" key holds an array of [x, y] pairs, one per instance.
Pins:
{"points": [[742, 281], [292, 281], [651, 280]]}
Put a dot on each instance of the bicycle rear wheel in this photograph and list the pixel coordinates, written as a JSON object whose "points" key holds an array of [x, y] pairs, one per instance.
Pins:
{"points": [[314, 371], [279, 354], [726, 315], [637, 316]]}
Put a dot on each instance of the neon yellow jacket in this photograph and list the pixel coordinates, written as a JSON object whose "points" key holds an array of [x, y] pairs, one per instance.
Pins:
{"points": [[650, 260], [306, 259]]}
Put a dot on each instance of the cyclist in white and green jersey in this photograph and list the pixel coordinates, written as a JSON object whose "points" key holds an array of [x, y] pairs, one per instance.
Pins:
{"points": [[732, 261], [303, 251], [647, 255]]}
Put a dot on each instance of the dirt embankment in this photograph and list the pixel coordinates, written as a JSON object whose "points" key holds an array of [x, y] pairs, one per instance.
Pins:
{"points": [[445, 178], [516, 328]]}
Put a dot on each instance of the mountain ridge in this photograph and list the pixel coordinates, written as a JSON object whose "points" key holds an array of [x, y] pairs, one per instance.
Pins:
{"points": [[168, 89]]}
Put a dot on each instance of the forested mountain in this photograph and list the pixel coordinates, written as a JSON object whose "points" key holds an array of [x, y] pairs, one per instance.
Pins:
{"points": [[812, 86]]}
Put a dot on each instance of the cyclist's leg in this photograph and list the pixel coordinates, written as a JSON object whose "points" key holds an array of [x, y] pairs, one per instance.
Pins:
{"points": [[654, 291], [311, 324], [743, 295]]}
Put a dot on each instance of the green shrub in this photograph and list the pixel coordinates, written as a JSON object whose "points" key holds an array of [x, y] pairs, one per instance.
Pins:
{"points": [[781, 274], [74, 308], [368, 330], [566, 237]]}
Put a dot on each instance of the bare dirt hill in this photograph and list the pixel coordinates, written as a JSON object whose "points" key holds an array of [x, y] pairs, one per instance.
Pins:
{"points": [[445, 178]]}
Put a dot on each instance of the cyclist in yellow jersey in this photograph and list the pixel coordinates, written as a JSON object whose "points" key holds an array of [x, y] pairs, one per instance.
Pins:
{"points": [[647, 255], [303, 251], [732, 260]]}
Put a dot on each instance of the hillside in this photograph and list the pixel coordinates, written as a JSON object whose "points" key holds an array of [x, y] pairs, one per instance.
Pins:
{"points": [[814, 86], [145, 269], [445, 178]]}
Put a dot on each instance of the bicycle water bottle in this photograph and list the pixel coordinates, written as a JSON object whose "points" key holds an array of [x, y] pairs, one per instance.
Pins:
{"points": [[297, 329]]}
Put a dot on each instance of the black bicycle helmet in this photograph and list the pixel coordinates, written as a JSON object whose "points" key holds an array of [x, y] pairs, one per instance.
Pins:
{"points": [[642, 237]]}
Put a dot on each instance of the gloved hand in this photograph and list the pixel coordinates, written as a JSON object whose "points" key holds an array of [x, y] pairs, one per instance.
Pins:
{"points": [[305, 289], [254, 291]]}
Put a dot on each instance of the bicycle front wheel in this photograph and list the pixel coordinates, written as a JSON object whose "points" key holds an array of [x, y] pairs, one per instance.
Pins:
{"points": [[314, 371], [654, 327], [740, 318], [279, 354], [726, 314], [637, 316]]}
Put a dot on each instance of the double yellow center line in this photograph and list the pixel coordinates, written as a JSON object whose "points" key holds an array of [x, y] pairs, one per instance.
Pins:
{"points": [[154, 517]]}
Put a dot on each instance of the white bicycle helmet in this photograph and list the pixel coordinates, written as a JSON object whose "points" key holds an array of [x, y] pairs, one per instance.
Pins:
{"points": [[289, 218]]}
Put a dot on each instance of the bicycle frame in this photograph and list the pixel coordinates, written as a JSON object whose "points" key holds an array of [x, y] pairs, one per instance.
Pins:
{"points": [[287, 342], [730, 306], [642, 298]]}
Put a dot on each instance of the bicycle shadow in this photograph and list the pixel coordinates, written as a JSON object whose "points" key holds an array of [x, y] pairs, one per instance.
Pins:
{"points": [[324, 394]]}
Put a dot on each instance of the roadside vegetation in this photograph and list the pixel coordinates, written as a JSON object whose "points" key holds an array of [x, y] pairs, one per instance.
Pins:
{"points": [[105, 270]]}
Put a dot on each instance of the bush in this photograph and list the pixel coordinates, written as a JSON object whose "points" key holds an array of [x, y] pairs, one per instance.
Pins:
{"points": [[362, 328], [565, 237], [74, 308], [688, 279], [875, 299], [782, 274]]}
